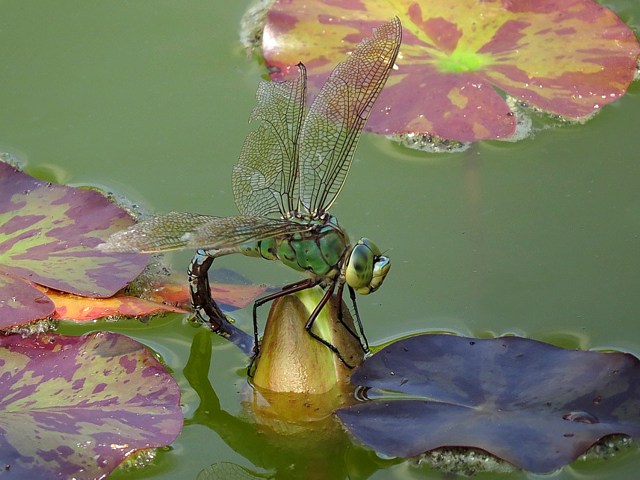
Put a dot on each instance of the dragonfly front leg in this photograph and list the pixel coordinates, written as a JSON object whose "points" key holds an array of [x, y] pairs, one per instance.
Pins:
{"points": [[364, 343], [206, 308], [312, 318], [362, 339]]}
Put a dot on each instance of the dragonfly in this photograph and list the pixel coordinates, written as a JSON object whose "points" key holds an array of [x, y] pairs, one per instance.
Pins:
{"points": [[290, 172]]}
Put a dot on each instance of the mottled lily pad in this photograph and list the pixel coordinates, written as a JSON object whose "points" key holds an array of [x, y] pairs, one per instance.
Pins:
{"points": [[47, 235], [533, 404], [20, 302], [567, 57], [75, 407]]}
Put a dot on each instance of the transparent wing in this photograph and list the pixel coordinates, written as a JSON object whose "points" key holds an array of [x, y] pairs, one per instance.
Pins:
{"points": [[265, 177], [178, 230], [331, 130]]}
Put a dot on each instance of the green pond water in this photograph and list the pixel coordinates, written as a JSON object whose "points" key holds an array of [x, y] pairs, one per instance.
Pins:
{"points": [[150, 99]]}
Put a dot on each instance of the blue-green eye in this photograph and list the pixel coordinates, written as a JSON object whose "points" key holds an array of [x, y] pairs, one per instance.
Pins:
{"points": [[366, 268]]}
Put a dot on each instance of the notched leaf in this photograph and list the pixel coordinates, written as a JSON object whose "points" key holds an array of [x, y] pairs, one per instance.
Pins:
{"points": [[533, 404]]}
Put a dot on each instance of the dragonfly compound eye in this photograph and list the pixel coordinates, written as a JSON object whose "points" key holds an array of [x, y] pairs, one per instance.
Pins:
{"points": [[366, 268]]}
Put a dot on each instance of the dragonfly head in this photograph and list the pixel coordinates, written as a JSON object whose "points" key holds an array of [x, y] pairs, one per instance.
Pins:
{"points": [[366, 267]]}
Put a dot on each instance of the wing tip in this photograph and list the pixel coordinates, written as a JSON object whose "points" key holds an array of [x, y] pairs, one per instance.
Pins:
{"points": [[115, 247]]}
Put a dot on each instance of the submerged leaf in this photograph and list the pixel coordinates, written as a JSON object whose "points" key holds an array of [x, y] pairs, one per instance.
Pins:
{"points": [[75, 407], [568, 57], [533, 404]]}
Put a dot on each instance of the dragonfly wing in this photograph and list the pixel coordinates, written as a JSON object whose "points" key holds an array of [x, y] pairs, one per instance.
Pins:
{"points": [[178, 230], [265, 177], [331, 130], [230, 232]]}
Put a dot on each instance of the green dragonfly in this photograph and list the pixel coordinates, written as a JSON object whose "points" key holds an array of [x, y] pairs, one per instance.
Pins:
{"points": [[290, 171]]}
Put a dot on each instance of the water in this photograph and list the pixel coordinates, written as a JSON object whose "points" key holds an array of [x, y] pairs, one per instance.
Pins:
{"points": [[151, 99]]}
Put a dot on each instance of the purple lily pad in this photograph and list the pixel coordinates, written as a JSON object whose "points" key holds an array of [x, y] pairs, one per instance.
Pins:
{"points": [[75, 407], [20, 302], [533, 404], [47, 235]]}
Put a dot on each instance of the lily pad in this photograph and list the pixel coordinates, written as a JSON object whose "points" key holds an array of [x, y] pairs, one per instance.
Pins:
{"points": [[75, 407], [533, 404], [231, 290], [20, 302], [47, 235], [73, 307], [167, 296], [458, 58]]}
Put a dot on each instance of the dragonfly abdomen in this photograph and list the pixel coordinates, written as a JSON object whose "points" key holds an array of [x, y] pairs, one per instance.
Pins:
{"points": [[319, 251]]}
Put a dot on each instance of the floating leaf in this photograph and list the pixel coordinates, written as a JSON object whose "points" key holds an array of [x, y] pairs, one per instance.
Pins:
{"points": [[230, 290], [73, 307], [47, 235], [170, 296], [568, 57], [533, 404], [20, 302], [75, 407]]}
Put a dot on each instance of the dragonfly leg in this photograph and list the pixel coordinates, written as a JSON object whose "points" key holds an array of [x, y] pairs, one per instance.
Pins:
{"points": [[364, 343], [312, 318], [286, 290], [362, 339], [206, 308], [341, 313]]}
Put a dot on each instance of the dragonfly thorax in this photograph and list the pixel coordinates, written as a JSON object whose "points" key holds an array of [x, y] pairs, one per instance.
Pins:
{"points": [[320, 250]]}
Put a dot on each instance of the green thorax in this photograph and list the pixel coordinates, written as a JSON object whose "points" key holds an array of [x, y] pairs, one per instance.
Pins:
{"points": [[319, 250]]}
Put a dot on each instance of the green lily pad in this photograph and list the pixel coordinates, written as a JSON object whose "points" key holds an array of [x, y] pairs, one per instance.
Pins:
{"points": [[533, 404], [567, 57], [47, 235], [75, 407]]}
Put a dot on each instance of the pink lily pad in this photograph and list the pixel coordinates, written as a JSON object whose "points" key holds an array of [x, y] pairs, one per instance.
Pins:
{"points": [[567, 57], [47, 235], [533, 404], [75, 407]]}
